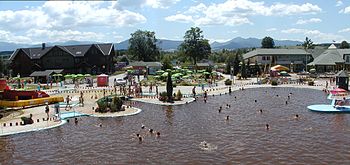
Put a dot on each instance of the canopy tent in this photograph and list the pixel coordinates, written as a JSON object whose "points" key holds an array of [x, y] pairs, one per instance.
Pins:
{"points": [[338, 91], [279, 68]]}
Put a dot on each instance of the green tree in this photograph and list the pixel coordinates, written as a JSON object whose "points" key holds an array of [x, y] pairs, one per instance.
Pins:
{"points": [[169, 88], [229, 62], [267, 42], [308, 44], [2, 68], [236, 64], [194, 45], [344, 45], [124, 59], [142, 46], [243, 70], [166, 63]]}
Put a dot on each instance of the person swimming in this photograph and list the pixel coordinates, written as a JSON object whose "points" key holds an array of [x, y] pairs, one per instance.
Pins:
{"points": [[158, 134], [255, 100], [267, 126], [227, 117], [286, 102], [100, 124], [151, 130], [296, 116], [261, 111], [137, 135], [142, 126], [140, 138], [76, 120]]}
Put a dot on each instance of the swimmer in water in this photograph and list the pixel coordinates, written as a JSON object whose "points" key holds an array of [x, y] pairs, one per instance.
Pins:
{"points": [[158, 134], [286, 102], [255, 100], [76, 120], [267, 127], [205, 145], [151, 130], [142, 126], [261, 111], [100, 124], [140, 138], [227, 117], [296, 116], [137, 135]]}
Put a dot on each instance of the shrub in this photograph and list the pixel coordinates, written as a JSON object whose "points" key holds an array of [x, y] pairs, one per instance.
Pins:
{"points": [[102, 105], [228, 82], [311, 83], [163, 96], [116, 104], [274, 83]]}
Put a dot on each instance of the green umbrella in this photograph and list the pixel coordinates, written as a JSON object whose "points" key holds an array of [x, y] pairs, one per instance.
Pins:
{"points": [[207, 73], [160, 72], [87, 75], [68, 76], [80, 75], [165, 74]]}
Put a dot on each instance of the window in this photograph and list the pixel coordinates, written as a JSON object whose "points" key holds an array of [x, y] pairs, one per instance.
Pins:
{"points": [[263, 58], [347, 59], [268, 58]]}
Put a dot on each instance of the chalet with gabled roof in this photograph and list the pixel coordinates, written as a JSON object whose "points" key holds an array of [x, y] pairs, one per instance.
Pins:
{"points": [[92, 59]]}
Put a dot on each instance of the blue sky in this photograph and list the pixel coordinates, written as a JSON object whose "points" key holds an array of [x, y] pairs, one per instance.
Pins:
{"points": [[220, 20]]}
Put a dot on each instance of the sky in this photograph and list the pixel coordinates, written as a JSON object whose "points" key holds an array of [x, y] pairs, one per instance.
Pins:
{"points": [[220, 20]]}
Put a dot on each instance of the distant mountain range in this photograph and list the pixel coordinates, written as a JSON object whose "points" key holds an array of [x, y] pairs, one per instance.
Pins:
{"points": [[166, 45]]}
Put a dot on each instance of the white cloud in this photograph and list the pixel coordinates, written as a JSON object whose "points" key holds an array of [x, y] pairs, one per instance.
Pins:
{"points": [[7, 36], [58, 35], [236, 12], [65, 14], [315, 34], [345, 10], [344, 30], [306, 21], [271, 29], [120, 4], [339, 3], [179, 18], [161, 3]]}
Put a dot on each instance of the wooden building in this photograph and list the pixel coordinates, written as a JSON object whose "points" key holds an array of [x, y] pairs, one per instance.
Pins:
{"points": [[92, 59]]}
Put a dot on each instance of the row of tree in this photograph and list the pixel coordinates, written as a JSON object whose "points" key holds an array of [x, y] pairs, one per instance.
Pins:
{"points": [[143, 47]]}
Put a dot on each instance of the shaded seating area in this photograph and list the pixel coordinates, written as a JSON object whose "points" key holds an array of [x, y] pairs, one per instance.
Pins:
{"points": [[44, 76]]}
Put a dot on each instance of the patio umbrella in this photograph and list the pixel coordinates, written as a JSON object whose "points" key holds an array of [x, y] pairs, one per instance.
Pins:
{"points": [[68, 76], [80, 75], [279, 68], [338, 90], [160, 72], [206, 73], [87, 75]]}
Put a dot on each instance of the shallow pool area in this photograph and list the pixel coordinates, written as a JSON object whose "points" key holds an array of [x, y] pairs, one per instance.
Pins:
{"points": [[197, 133]]}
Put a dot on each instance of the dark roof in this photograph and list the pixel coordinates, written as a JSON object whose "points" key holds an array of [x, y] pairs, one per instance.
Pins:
{"points": [[266, 52], [146, 64], [45, 73], [331, 56], [74, 50], [342, 73]]}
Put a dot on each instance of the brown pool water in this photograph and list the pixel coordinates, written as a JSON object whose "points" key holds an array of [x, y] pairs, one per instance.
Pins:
{"points": [[197, 133]]}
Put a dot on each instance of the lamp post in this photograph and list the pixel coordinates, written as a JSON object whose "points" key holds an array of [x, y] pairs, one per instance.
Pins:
{"points": [[232, 75]]}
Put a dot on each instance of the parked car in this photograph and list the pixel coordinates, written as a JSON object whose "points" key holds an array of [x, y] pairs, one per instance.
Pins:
{"points": [[120, 81]]}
